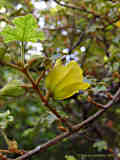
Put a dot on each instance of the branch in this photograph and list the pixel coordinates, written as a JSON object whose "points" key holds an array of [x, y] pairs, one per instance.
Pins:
{"points": [[66, 5], [76, 128], [77, 43], [39, 78], [82, 8], [84, 56], [82, 36], [95, 14], [93, 102], [36, 88]]}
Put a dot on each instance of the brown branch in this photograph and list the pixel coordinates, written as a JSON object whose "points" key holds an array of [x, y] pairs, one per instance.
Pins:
{"points": [[81, 38], [95, 103], [85, 9], [39, 78], [64, 121], [29, 77], [76, 128], [82, 35], [66, 5], [36, 88], [82, 8]]}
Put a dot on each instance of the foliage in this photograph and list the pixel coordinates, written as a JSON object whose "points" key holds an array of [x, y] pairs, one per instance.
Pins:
{"points": [[100, 145], [5, 119], [13, 88], [69, 158], [59, 72], [24, 30], [65, 81]]}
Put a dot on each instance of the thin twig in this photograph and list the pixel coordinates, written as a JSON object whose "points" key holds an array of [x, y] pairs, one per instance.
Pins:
{"points": [[96, 15], [95, 103], [78, 42], [83, 59], [81, 38], [82, 8], [39, 78]]}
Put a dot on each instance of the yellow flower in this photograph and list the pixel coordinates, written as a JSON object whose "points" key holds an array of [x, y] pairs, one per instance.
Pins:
{"points": [[64, 81]]}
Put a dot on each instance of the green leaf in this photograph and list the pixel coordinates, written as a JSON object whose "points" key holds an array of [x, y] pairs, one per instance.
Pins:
{"points": [[4, 3], [99, 88], [100, 145], [5, 119], [70, 157], [12, 89], [64, 81], [25, 30]]}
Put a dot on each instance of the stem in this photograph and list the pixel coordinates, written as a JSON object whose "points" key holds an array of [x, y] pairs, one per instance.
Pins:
{"points": [[64, 121], [36, 88], [53, 110], [40, 77], [22, 53]]}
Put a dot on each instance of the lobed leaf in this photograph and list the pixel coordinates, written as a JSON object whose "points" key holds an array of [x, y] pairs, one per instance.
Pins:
{"points": [[64, 81], [24, 30]]}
